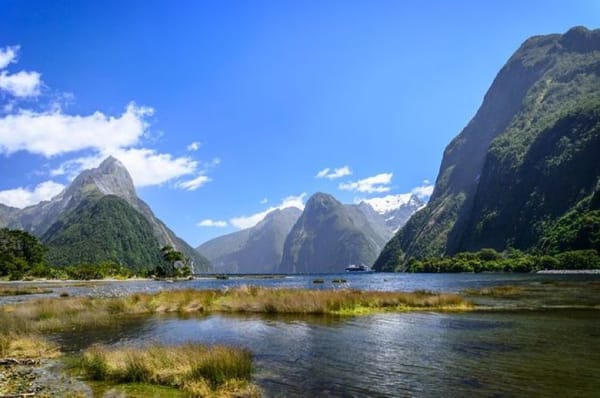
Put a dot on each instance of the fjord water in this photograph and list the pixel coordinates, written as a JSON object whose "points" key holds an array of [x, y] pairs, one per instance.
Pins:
{"points": [[516, 348]]}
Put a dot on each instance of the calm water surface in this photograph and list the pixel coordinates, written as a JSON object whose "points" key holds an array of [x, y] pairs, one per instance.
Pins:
{"points": [[528, 351], [370, 281]]}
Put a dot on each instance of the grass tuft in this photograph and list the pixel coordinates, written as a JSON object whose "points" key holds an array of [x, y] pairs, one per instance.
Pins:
{"points": [[27, 347], [194, 368]]}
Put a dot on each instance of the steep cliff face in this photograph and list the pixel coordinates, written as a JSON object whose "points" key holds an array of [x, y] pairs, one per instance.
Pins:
{"points": [[524, 160], [254, 250], [328, 236]]}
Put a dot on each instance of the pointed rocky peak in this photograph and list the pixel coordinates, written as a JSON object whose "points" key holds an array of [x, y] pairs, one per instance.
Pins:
{"points": [[321, 200], [110, 178], [110, 164]]}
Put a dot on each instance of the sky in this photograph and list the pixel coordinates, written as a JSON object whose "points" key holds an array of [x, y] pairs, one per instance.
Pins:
{"points": [[225, 110]]}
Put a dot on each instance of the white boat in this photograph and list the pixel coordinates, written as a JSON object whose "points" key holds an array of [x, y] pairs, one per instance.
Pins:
{"points": [[357, 268]]}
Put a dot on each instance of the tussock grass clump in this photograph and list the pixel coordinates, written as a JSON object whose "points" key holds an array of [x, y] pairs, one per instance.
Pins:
{"points": [[346, 301], [27, 347], [197, 369]]}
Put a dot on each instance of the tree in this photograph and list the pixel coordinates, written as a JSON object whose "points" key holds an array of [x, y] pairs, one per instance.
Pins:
{"points": [[171, 258]]}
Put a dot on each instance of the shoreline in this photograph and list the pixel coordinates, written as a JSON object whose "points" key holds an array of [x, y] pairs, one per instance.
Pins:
{"points": [[568, 271]]}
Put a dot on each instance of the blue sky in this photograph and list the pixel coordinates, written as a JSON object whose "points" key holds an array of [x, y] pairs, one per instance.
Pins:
{"points": [[222, 110]]}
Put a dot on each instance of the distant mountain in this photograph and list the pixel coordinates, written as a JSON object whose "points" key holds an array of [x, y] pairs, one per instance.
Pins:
{"points": [[68, 221], [524, 173], [395, 209], [254, 250], [329, 236]]}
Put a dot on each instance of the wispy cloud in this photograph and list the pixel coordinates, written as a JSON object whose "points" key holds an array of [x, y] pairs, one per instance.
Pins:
{"points": [[335, 173], [23, 197], [194, 146], [244, 222], [424, 191], [8, 55], [378, 183], [195, 183], [212, 223]]}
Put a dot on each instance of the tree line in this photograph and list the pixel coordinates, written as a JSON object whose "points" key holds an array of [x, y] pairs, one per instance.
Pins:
{"points": [[489, 260], [23, 256]]}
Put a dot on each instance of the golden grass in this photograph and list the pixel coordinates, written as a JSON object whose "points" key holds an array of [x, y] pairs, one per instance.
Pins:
{"points": [[196, 369], [53, 314], [495, 291], [27, 347]]}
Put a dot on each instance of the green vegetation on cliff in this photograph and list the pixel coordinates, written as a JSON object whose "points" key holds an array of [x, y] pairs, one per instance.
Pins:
{"points": [[103, 229], [518, 172], [489, 260]]}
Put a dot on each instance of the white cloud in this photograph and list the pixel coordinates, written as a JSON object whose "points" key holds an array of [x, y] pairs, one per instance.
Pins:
{"points": [[21, 84], [22, 197], [264, 201], [244, 222], [424, 191], [90, 138], [8, 55], [195, 183], [194, 146], [146, 166], [55, 133], [378, 183], [212, 223], [333, 174]]}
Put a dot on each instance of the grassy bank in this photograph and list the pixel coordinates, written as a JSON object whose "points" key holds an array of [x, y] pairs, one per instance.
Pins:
{"points": [[55, 314]]}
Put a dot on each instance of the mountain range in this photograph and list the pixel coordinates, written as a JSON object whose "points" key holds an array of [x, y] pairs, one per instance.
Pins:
{"points": [[325, 237], [525, 172], [253, 250], [99, 217]]}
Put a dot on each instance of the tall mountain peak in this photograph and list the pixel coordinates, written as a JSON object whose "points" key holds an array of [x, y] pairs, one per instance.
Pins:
{"points": [[111, 178], [106, 189], [328, 235]]}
